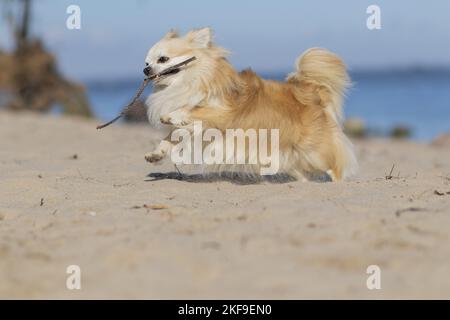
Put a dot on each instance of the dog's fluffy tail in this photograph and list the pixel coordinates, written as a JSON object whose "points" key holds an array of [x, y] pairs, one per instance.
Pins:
{"points": [[322, 78]]}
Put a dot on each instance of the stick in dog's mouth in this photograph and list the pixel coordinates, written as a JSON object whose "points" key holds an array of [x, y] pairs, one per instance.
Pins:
{"points": [[172, 70], [169, 71], [175, 71]]}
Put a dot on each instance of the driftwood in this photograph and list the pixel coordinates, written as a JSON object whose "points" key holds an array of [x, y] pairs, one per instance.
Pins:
{"points": [[29, 77], [142, 87]]}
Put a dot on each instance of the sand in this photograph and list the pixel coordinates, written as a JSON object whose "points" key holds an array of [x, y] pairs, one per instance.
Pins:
{"points": [[71, 195]]}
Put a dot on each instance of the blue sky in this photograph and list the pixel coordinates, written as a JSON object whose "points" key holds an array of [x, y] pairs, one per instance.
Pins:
{"points": [[266, 35]]}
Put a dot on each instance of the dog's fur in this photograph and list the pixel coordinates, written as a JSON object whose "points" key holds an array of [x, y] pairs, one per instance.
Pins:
{"points": [[307, 108]]}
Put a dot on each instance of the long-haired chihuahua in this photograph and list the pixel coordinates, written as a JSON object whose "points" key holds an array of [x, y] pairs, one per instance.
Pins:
{"points": [[306, 108]]}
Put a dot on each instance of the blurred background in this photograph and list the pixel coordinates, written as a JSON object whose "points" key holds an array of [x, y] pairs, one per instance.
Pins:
{"points": [[401, 73]]}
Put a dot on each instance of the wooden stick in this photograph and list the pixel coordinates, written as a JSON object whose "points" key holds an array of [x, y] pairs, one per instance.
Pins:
{"points": [[128, 107], [142, 87]]}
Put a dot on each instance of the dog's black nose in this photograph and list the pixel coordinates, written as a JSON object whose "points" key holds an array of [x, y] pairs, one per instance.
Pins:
{"points": [[148, 71]]}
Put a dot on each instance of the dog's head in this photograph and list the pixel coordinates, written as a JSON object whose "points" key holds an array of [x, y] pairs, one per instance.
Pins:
{"points": [[173, 49]]}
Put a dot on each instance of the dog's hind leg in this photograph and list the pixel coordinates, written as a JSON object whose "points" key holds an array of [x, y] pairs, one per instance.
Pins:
{"points": [[333, 176]]}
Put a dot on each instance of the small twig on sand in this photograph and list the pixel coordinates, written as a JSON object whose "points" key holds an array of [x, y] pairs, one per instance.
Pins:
{"points": [[180, 175], [412, 209], [390, 176], [439, 193], [151, 207], [79, 173]]}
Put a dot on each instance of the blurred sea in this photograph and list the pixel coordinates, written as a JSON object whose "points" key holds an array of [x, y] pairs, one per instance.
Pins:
{"points": [[418, 99]]}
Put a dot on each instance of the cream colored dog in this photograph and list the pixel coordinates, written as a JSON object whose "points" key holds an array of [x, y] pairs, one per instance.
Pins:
{"points": [[306, 108]]}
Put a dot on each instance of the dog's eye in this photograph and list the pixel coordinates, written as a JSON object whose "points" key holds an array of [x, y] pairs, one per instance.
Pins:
{"points": [[163, 59]]}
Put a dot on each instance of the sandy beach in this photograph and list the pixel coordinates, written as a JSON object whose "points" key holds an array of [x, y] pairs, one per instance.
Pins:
{"points": [[71, 195]]}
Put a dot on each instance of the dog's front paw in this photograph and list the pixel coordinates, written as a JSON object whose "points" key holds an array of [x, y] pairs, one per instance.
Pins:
{"points": [[154, 156], [178, 118]]}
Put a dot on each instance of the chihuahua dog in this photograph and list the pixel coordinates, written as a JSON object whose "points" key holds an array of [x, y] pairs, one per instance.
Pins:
{"points": [[306, 108]]}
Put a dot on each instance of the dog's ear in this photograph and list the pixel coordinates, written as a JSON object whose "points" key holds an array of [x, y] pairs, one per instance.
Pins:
{"points": [[201, 38], [171, 34]]}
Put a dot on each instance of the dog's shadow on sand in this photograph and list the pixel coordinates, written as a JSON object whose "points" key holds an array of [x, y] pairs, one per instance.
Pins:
{"points": [[231, 177]]}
